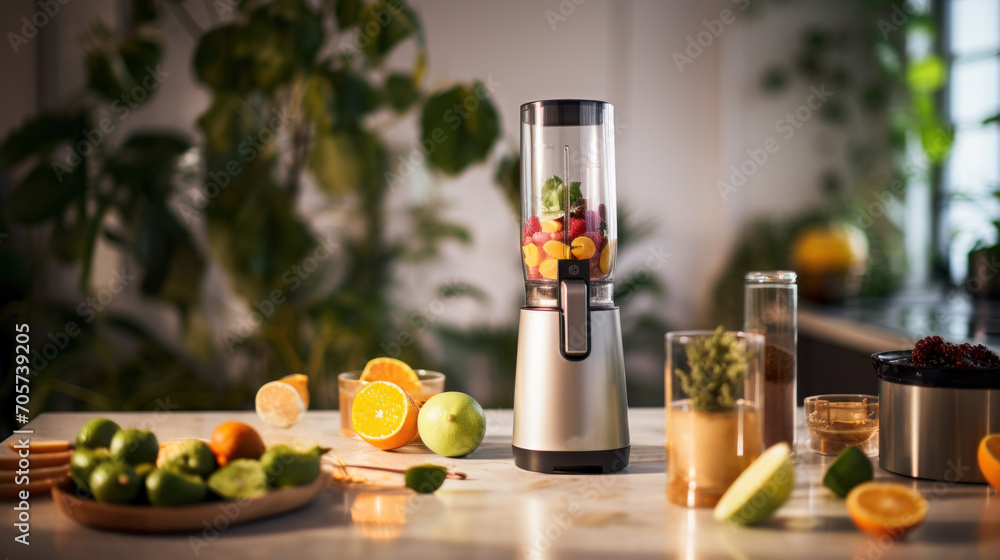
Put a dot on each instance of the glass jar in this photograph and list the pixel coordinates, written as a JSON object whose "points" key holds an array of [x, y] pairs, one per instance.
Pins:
{"points": [[770, 309], [713, 386]]}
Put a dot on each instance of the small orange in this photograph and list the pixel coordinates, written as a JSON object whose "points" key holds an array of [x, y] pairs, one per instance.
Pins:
{"points": [[283, 402], [384, 415], [393, 371], [235, 440], [989, 459], [886, 509]]}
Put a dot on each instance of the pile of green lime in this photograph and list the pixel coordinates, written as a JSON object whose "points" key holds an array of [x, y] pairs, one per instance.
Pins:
{"points": [[127, 466]]}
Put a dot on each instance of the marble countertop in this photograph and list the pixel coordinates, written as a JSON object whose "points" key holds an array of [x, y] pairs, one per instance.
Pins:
{"points": [[504, 512]]}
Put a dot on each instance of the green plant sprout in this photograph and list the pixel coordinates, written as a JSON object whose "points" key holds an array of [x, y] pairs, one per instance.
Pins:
{"points": [[718, 365]]}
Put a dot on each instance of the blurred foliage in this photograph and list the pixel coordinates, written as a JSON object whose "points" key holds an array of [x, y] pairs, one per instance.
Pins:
{"points": [[888, 111], [295, 90]]}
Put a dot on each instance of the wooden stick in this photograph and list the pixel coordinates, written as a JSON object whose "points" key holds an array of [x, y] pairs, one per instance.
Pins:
{"points": [[452, 474]]}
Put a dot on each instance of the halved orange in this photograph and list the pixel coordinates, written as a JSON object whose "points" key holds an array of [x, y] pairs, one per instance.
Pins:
{"points": [[989, 459], [886, 509], [393, 371], [282, 403], [384, 415]]}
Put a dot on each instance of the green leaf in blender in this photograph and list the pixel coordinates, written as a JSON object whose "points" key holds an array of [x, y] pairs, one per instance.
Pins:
{"points": [[554, 194]]}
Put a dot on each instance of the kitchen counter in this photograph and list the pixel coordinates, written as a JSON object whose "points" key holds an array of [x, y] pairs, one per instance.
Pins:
{"points": [[504, 512]]}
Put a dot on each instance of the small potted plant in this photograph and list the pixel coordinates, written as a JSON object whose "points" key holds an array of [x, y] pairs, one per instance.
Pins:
{"points": [[713, 412]]}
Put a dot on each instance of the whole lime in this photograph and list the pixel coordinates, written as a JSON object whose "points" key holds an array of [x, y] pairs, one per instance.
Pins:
{"points": [[848, 470], [169, 487], [287, 466], [241, 478], [134, 446], [452, 424], [96, 433], [192, 456], [83, 462], [114, 482]]}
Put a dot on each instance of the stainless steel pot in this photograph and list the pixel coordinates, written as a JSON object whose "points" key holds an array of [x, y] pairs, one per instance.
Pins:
{"points": [[931, 420]]}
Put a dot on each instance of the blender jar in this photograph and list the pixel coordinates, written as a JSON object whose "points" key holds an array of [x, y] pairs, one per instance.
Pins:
{"points": [[568, 207]]}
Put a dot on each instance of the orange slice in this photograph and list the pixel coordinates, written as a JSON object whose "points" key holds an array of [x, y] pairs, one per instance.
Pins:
{"points": [[989, 459], [384, 415], [282, 404], [886, 509], [605, 261], [301, 384], [393, 371], [549, 269], [551, 226], [583, 247], [531, 255], [557, 249]]}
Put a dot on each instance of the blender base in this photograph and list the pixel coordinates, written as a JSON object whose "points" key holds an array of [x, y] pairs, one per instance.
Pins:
{"points": [[555, 462]]}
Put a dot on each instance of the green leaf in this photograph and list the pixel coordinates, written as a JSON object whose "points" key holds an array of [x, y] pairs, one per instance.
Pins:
{"points": [[927, 75], [140, 56], [43, 194], [343, 161], [554, 194], [508, 177], [107, 75], [39, 134], [220, 124], [462, 124], [216, 63], [146, 161], [425, 478], [401, 91], [307, 37], [347, 13], [172, 265], [384, 25], [353, 98], [266, 41]]}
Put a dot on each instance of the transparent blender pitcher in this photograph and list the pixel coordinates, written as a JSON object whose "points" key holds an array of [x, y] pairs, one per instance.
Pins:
{"points": [[568, 208]]}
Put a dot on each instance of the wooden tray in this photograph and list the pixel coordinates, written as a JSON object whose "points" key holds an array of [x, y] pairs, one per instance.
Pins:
{"points": [[154, 519]]}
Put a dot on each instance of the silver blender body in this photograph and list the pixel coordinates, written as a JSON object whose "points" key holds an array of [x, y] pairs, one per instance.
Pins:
{"points": [[570, 407]]}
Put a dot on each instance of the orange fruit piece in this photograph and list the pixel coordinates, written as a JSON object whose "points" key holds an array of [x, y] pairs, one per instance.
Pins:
{"points": [[384, 415], [235, 440], [549, 269], [551, 226], [283, 402], [886, 509], [556, 249], [393, 371], [531, 255], [989, 459]]}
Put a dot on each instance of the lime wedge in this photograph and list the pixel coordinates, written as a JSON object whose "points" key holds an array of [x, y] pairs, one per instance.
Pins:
{"points": [[760, 489], [849, 469]]}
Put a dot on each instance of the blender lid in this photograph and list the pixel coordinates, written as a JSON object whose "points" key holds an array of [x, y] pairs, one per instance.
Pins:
{"points": [[895, 367], [564, 112]]}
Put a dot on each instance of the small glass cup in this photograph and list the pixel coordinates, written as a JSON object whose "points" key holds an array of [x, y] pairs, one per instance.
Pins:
{"points": [[349, 383], [712, 434], [837, 421]]}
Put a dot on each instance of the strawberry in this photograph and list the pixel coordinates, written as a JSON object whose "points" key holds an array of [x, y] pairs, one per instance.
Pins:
{"points": [[533, 273], [576, 228], [540, 237], [527, 239], [532, 226]]}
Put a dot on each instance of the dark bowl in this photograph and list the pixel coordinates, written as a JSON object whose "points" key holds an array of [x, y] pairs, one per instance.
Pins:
{"points": [[894, 366]]}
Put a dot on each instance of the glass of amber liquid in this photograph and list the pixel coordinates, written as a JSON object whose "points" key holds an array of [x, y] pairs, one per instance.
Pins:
{"points": [[349, 383]]}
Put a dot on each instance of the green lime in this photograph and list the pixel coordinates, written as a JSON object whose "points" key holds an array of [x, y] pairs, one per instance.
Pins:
{"points": [[760, 489], [287, 466], [242, 478], [451, 424], [167, 487], [83, 462], [134, 446], [96, 433], [192, 456], [114, 482], [849, 469], [425, 478]]}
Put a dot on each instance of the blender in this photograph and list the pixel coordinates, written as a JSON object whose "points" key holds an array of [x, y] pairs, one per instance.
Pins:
{"points": [[570, 408]]}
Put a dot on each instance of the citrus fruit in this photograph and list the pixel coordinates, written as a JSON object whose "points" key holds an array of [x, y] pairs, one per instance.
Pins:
{"points": [[452, 424], [96, 433], [425, 478], [393, 371], [549, 269], [114, 482], [989, 459], [286, 466], [849, 469], [134, 446], [759, 490], [236, 440], [384, 415], [83, 462], [192, 456], [242, 478], [169, 487], [283, 402], [886, 509], [605, 261]]}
